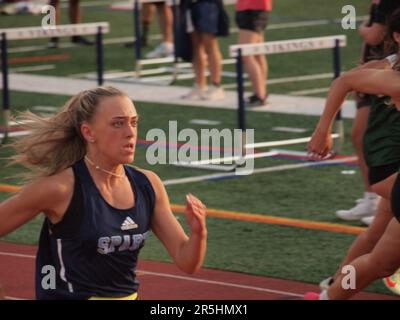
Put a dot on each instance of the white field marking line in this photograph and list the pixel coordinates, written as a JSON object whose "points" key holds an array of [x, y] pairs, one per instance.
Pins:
{"points": [[282, 142], [308, 91], [33, 68], [14, 298], [167, 275], [115, 75], [44, 108], [289, 129], [15, 134], [310, 23], [205, 122], [287, 79], [285, 152], [228, 159], [257, 171], [88, 4], [92, 75], [221, 283], [216, 167], [18, 255], [16, 123]]}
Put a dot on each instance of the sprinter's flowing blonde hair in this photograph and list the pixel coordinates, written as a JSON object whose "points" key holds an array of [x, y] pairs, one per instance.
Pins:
{"points": [[55, 143]]}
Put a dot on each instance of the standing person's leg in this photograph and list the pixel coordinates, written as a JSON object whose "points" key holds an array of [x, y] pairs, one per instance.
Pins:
{"points": [[146, 16], [53, 43], [260, 24], [214, 59], [199, 66], [75, 17], [74, 11], [148, 10], [263, 64], [57, 7], [382, 262], [253, 64], [165, 21]]}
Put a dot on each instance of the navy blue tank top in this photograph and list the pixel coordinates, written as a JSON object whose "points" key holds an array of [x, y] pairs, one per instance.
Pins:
{"points": [[94, 249]]}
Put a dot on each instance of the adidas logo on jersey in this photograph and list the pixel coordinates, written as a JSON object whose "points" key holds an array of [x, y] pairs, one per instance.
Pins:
{"points": [[128, 224]]}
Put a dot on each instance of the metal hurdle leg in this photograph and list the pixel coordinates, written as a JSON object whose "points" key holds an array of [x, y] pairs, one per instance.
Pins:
{"points": [[6, 97], [99, 56], [174, 32], [339, 127], [241, 113], [138, 42]]}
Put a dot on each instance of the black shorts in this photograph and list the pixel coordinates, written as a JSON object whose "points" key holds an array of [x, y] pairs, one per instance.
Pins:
{"points": [[395, 199], [205, 17], [380, 173], [253, 20], [364, 99]]}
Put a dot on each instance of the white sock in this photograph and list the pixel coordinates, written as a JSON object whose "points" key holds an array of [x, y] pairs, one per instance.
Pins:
{"points": [[370, 195], [323, 295]]}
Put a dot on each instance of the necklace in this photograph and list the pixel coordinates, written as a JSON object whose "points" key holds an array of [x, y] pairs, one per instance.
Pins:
{"points": [[106, 171]]}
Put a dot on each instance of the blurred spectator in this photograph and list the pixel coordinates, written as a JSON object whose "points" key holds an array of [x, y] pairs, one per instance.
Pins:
{"points": [[74, 17], [204, 21], [252, 19]]}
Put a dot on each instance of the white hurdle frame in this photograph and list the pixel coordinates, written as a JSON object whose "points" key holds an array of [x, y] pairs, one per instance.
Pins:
{"points": [[273, 47], [67, 30]]}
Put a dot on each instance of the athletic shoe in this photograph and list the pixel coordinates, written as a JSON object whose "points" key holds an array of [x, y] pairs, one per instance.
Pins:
{"points": [[164, 49], [81, 41], [255, 101], [367, 220], [326, 283], [364, 208], [311, 296], [194, 94], [393, 282], [214, 93]]}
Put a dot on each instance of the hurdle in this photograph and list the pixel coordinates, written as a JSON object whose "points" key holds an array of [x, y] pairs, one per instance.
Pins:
{"points": [[273, 47], [67, 30], [297, 45]]}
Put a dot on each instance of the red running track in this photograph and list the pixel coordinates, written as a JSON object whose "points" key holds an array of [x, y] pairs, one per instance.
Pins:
{"points": [[163, 281]]}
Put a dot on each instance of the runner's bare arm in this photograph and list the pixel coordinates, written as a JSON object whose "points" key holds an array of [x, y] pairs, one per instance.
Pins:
{"points": [[36, 197]]}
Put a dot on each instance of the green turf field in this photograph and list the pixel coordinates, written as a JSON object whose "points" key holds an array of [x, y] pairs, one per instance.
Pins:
{"points": [[308, 193]]}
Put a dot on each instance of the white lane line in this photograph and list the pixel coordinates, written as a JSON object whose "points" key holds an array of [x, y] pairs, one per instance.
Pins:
{"points": [[289, 129], [257, 171], [15, 134], [205, 122], [172, 276], [221, 283], [14, 298], [43, 67], [17, 255], [309, 91], [309, 77]]}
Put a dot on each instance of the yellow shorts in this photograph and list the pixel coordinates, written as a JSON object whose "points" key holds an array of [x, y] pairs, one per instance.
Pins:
{"points": [[133, 296]]}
